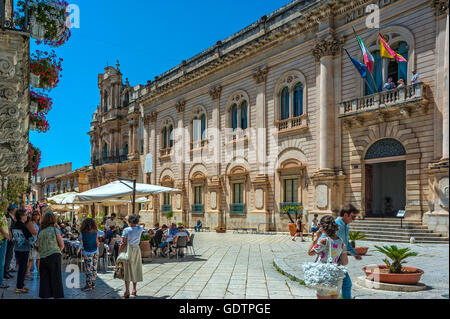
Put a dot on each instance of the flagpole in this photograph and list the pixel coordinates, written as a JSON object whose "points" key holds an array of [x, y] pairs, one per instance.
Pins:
{"points": [[371, 75]]}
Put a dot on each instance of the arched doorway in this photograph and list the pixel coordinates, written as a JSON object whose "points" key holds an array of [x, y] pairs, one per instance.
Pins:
{"points": [[385, 178]]}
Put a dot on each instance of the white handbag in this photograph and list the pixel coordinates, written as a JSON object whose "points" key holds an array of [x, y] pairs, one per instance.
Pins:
{"points": [[326, 276]]}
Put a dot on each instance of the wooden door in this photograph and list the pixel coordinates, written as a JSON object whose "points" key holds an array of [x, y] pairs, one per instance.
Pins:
{"points": [[368, 188]]}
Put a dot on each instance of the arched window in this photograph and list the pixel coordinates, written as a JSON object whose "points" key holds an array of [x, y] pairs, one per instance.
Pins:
{"points": [[170, 136], [398, 70], [234, 116], [105, 150], [284, 104], [386, 147], [105, 102], [243, 110], [203, 127], [298, 99]]}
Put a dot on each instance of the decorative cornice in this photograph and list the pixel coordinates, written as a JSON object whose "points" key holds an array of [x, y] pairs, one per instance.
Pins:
{"points": [[215, 92], [180, 106], [440, 7], [153, 116], [260, 75], [327, 47]]}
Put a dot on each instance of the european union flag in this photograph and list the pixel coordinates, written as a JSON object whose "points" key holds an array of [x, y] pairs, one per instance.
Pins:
{"points": [[362, 69]]}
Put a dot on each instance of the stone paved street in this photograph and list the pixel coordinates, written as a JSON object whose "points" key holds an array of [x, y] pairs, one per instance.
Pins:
{"points": [[241, 266]]}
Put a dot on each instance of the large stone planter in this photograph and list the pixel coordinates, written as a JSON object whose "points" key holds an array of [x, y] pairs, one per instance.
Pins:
{"points": [[221, 230], [145, 248], [292, 228], [380, 273]]}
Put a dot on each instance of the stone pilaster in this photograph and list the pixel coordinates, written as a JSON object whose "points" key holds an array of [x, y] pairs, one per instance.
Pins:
{"points": [[260, 77], [214, 135]]}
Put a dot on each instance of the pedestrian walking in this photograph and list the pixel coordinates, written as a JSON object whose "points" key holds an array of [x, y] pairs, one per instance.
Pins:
{"points": [[34, 255], [22, 236], [11, 219], [314, 225], [50, 245], [131, 238], [346, 216], [299, 231], [89, 234], [4, 238], [329, 247]]}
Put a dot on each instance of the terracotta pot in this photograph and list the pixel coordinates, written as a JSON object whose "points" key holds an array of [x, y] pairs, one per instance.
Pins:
{"points": [[380, 273], [221, 230], [361, 250], [145, 248], [292, 228]]}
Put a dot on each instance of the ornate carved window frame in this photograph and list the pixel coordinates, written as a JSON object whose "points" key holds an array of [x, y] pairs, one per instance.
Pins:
{"points": [[198, 111], [238, 97]]}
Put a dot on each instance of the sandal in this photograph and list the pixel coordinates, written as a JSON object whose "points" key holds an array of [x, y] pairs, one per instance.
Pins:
{"points": [[133, 293], [126, 296]]}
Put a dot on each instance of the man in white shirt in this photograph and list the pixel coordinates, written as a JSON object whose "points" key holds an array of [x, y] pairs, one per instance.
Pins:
{"points": [[181, 233], [415, 77], [111, 222]]}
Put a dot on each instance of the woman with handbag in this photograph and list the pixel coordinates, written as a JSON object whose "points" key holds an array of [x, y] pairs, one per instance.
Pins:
{"points": [[132, 263], [89, 234], [50, 245], [327, 273]]}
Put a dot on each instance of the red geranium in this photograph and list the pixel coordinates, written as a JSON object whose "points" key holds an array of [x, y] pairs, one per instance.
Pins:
{"points": [[47, 67], [34, 159], [43, 102], [39, 120]]}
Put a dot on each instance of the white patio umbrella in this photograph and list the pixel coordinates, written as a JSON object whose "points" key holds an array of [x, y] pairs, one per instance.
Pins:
{"points": [[58, 199], [114, 202], [118, 190]]}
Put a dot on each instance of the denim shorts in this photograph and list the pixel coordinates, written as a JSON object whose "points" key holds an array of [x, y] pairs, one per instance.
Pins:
{"points": [[314, 229]]}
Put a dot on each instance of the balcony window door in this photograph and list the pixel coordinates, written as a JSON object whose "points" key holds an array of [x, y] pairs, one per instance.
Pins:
{"points": [[243, 109], [238, 193], [290, 191], [234, 117], [105, 151], [284, 104], [298, 99], [198, 198]]}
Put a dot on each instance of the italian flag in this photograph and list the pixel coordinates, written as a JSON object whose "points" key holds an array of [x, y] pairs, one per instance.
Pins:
{"points": [[369, 61]]}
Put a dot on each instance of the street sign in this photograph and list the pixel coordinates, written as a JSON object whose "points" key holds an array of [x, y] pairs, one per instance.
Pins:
{"points": [[401, 214]]}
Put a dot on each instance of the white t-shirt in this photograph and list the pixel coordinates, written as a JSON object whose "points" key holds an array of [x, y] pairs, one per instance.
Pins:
{"points": [[133, 234], [110, 223]]}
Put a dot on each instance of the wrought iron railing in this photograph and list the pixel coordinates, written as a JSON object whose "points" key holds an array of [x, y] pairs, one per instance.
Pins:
{"points": [[237, 208], [166, 208], [110, 160], [8, 17], [385, 99], [197, 208]]}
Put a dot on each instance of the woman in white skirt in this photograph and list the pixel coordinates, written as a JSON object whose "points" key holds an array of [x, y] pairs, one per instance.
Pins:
{"points": [[131, 237]]}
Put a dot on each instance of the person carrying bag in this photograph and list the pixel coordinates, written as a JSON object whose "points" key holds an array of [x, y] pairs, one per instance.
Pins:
{"points": [[327, 272]]}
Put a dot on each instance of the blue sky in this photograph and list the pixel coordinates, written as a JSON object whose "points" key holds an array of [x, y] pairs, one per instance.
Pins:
{"points": [[148, 37]]}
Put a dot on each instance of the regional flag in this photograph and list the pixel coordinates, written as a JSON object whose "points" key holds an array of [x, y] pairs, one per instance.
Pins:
{"points": [[362, 69], [387, 52], [369, 61]]}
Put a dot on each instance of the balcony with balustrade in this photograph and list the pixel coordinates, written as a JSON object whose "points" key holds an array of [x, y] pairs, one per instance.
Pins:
{"points": [[403, 101], [298, 123], [197, 209], [237, 208]]}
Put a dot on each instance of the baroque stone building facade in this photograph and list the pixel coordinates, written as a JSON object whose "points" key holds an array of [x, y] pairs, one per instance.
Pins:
{"points": [[277, 114], [14, 93]]}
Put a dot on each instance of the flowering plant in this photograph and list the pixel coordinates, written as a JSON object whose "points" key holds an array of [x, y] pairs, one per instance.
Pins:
{"points": [[48, 19], [43, 102], [40, 122], [34, 158], [47, 66]]}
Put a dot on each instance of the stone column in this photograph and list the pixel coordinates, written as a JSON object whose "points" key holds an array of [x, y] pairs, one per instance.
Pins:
{"points": [[146, 141], [326, 179], [445, 88], [153, 136], [130, 139]]}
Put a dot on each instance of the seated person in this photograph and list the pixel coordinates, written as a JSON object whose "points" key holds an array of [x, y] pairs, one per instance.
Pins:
{"points": [[198, 226], [181, 233], [109, 234], [400, 83], [159, 235], [173, 230], [156, 227]]}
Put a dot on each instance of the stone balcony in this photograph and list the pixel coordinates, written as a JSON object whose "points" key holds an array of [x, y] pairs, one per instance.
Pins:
{"points": [[402, 100], [292, 124]]}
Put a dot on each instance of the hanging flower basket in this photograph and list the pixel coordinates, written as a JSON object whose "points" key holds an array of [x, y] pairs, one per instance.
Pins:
{"points": [[38, 122], [34, 80], [40, 103], [34, 159], [47, 67], [48, 21]]}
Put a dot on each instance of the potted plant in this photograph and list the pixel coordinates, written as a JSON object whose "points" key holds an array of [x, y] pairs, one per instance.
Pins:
{"points": [[47, 67], [354, 236], [34, 158], [288, 209], [144, 245], [40, 103], [169, 216], [48, 19], [38, 122], [221, 229], [394, 272]]}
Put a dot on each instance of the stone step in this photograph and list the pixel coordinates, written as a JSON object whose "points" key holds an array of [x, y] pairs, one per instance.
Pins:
{"points": [[369, 226], [390, 219], [386, 222]]}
